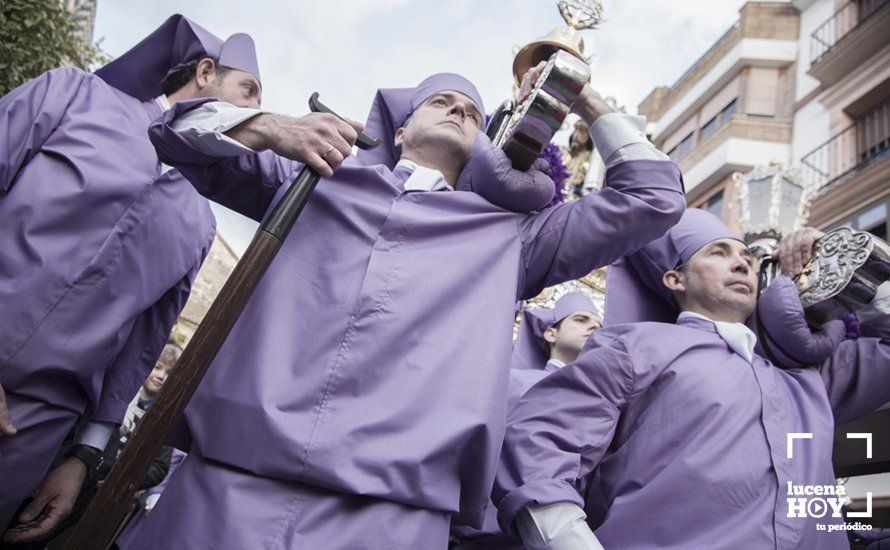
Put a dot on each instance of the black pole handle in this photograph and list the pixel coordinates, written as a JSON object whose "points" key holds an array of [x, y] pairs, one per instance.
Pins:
{"points": [[284, 215], [362, 142]]}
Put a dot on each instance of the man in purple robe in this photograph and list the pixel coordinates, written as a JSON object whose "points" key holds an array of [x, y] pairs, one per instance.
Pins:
{"points": [[670, 430], [548, 339], [359, 401], [100, 245]]}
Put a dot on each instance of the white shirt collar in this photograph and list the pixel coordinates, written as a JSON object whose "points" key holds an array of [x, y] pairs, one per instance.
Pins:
{"points": [[163, 102], [423, 178], [736, 335], [555, 364]]}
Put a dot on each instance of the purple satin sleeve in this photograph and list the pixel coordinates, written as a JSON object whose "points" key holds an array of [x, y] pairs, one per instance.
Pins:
{"points": [[641, 201], [783, 334], [29, 114], [143, 347], [876, 328], [245, 183], [547, 451], [857, 377], [490, 174]]}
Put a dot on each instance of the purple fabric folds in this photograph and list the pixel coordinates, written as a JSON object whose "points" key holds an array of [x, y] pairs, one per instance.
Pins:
{"points": [[783, 334], [490, 174], [140, 70], [374, 369], [99, 247], [678, 428], [225, 508], [682, 431], [99, 250]]}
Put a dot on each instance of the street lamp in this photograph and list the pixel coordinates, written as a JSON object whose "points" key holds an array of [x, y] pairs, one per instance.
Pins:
{"points": [[847, 266], [772, 202]]}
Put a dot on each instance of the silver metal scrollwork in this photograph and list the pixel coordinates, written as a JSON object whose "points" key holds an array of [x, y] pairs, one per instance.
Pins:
{"points": [[844, 274]]}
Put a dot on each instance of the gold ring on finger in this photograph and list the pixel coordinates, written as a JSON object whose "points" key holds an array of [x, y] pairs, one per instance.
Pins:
{"points": [[331, 148]]}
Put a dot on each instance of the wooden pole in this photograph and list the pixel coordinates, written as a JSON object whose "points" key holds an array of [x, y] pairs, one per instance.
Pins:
{"points": [[108, 509]]}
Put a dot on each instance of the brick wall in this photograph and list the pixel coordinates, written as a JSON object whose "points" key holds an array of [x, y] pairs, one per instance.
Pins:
{"points": [[771, 20]]}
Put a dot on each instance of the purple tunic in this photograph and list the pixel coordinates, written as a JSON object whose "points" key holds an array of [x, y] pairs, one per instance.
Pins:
{"points": [[98, 248], [138, 518], [98, 251], [490, 535], [209, 505], [529, 365], [373, 357], [684, 442]]}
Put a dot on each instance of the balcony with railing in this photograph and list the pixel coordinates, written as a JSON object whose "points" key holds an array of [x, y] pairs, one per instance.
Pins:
{"points": [[850, 150], [853, 33]]}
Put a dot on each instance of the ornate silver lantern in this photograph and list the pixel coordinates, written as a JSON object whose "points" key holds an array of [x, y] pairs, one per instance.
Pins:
{"points": [[847, 266], [772, 202]]}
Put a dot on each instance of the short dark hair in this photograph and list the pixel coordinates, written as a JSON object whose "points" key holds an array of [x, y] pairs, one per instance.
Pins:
{"points": [[183, 75], [171, 354]]}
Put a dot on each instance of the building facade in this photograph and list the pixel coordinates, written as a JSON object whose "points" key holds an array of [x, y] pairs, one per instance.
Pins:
{"points": [[733, 109], [212, 276], [842, 114], [803, 84], [84, 12]]}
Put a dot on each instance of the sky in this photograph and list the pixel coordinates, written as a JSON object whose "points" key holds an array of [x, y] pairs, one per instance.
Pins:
{"points": [[346, 49]]}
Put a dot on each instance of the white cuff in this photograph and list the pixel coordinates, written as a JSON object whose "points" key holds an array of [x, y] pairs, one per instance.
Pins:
{"points": [[559, 526], [94, 434], [203, 128], [619, 137], [151, 500]]}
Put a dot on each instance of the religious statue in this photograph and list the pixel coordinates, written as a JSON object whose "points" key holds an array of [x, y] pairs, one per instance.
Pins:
{"points": [[577, 157]]}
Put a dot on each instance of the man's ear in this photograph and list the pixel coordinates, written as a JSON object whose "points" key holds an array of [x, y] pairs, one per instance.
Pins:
{"points": [[674, 281], [400, 137], [205, 72], [550, 335]]}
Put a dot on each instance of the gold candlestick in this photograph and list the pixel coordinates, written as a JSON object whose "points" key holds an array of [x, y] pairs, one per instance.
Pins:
{"points": [[578, 15]]}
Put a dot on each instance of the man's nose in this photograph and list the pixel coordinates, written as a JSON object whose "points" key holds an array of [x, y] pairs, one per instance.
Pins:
{"points": [[460, 109]]}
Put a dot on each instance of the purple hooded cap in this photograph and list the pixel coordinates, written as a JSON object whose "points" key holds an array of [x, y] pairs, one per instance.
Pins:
{"points": [[178, 41], [531, 351], [634, 288], [393, 106]]}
